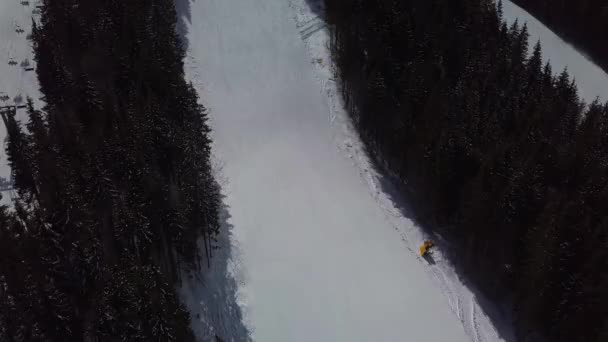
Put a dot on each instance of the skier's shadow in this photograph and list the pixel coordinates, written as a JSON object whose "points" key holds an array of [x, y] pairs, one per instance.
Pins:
{"points": [[429, 258]]}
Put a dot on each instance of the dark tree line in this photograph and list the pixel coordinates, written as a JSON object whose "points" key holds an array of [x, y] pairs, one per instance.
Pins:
{"points": [[583, 23], [114, 180], [495, 150]]}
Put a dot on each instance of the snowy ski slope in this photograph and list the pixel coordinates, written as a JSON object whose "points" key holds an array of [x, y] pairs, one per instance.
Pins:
{"points": [[321, 252]]}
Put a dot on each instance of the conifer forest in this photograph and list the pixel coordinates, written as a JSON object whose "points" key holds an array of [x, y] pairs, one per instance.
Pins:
{"points": [[113, 177]]}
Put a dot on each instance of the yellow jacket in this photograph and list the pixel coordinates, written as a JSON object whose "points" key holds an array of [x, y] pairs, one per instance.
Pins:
{"points": [[424, 248]]}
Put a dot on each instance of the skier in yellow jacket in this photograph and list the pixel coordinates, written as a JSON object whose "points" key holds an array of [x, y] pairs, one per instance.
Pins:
{"points": [[425, 247]]}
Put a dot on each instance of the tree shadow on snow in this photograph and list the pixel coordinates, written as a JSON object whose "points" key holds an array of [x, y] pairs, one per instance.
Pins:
{"points": [[183, 9], [211, 295]]}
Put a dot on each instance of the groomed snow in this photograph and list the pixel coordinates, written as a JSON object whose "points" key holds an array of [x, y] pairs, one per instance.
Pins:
{"points": [[319, 251], [592, 81]]}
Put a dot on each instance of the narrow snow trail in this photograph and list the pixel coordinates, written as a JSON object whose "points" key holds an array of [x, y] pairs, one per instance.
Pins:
{"points": [[591, 80], [319, 260]]}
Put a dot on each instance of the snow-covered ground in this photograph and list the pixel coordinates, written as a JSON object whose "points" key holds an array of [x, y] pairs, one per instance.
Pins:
{"points": [[17, 77], [320, 249], [592, 81]]}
